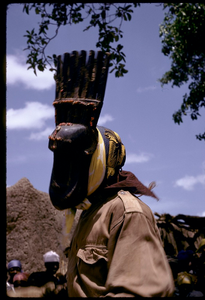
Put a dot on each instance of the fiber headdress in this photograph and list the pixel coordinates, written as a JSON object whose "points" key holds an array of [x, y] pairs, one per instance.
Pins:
{"points": [[80, 89]]}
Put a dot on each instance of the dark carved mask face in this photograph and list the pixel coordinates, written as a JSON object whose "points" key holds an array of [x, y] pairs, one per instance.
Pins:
{"points": [[73, 146]]}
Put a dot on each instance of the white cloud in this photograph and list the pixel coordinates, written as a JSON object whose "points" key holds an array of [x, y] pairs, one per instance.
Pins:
{"points": [[201, 214], [33, 115], [104, 119], [145, 89], [17, 73], [138, 158], [188, 182], [41, 135]]}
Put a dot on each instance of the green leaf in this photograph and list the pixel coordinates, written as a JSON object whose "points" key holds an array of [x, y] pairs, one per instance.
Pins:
{"points": [[127, 7], [112, 70], [129, 17], [103, 14], [119, 47], [116, 38], [41, 68], [52, 69], [26, 8], [37, 11]]}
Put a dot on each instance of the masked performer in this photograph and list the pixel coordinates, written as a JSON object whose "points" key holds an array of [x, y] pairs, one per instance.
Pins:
{"points": [[116, 250]]}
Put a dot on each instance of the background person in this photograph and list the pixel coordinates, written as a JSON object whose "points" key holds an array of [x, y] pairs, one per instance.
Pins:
{"points": [[14, 267]]}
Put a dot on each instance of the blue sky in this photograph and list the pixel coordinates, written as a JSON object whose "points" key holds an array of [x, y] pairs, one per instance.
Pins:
{"points": [[135, 106]]}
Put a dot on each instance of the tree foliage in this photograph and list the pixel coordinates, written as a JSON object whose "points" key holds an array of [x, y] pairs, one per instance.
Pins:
{"points": [[100, 15], [182, 33], [182, 36]]}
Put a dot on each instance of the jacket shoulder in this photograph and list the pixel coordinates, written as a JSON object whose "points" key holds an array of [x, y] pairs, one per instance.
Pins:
{"points": [[132, 204]]}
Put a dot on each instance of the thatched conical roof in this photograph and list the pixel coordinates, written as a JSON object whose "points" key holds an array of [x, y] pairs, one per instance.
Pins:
{"points": [[33, 227]]}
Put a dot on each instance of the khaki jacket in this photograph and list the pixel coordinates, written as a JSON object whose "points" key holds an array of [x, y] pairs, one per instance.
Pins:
{"points": [[116, 251]]}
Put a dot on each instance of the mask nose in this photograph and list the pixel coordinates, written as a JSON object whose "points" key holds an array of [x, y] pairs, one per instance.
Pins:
{"points": [[72, 146]]}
